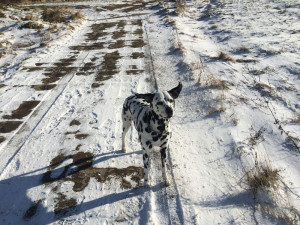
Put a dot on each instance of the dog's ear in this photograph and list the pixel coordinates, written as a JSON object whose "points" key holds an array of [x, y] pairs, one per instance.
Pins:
{"points": [[175, 91], [148, 97]]}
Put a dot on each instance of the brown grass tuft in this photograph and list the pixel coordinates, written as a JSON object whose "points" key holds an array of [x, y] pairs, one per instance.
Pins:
{"points": [[225, 57], [55, 15], [181, 7], [263, 178], [76, 15]]}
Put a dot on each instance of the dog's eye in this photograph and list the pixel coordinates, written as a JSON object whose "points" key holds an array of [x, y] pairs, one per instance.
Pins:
{"points": [[159, 103]]}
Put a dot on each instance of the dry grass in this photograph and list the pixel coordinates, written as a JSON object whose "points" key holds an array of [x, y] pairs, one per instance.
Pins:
{"points": [[57, 15], [76, 16], [296, 119], [271, 194], [262, 178], [225, 57], [181, 7]]}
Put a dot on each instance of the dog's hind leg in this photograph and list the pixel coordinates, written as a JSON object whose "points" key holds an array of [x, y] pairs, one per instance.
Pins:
{"points": [[126, 122]]}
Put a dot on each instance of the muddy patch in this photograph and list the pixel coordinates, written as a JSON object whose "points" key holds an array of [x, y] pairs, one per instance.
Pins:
{"points": [[43, 87], [117, 44], [120, 32], [108, 66], [9, 126], [75, 123], [2, 139], [81, 170], [84, 47], [86, 69], [24, 110], [81, 136], [64, 204], [137, 55], [134, 72], [99, 30], [139, 43], [54, 74]]}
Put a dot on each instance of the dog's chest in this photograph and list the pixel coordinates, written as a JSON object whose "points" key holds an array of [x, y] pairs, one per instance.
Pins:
{"points": [[148, 124]]}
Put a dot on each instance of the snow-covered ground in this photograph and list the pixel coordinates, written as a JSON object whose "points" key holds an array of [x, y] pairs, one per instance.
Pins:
{"points": [[238, 113]]}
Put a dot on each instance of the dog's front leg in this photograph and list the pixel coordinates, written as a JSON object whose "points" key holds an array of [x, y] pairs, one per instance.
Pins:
{"points": [[163, 154], [146, 155]]}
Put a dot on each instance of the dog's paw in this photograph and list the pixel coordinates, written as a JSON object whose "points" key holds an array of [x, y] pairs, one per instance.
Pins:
{"points": [[147, 184], [167, 183]]}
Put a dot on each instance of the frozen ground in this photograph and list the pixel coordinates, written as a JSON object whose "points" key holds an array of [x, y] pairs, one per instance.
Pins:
{"points": [[60, 113]]}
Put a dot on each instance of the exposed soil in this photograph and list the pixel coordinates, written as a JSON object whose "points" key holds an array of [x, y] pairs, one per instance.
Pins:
{"points": [[54, 74], [2, 139], [81, 136], [9, 126], [83, 162], [84, 47], [63, 204], [139, 43], [24, 110], [75, 123], [138, 55], [134, 72], [108, 66], [43, 87], [117, 44], [98, 30]]}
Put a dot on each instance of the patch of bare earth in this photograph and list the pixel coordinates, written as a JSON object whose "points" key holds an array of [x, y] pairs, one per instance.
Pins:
{"points": [[23, 110]]}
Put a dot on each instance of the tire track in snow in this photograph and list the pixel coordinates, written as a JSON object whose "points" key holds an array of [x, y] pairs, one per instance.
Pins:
{"points": [[165, 203]]}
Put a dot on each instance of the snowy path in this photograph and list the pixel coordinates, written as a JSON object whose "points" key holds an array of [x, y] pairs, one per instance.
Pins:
{"points": [[238, 112], [63, 163]]}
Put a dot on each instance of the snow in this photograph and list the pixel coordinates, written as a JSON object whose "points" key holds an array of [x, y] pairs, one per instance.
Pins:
{"points": [[63, 164]]}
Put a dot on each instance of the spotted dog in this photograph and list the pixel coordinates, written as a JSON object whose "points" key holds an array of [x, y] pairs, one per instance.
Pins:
{"points": [[150, 113]]}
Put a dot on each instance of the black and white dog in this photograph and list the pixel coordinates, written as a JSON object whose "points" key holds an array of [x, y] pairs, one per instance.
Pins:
{"points": [[150, 113]]}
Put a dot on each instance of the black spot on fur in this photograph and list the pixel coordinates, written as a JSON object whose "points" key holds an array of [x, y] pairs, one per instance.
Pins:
{"points": [[161, 128], [147, 129], [163, 137], [161, 121], [163, 156]]}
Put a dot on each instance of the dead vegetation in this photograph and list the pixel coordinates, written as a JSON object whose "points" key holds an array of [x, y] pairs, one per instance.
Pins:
{"points": [[225, 57], [181, 7], [60, 15], [271, 193]]}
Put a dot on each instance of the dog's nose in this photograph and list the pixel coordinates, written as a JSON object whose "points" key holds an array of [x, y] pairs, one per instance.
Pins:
{"points": [[169, 112]]}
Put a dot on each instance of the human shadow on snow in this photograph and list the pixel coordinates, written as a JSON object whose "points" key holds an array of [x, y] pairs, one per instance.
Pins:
{"points": [[15, 200]]}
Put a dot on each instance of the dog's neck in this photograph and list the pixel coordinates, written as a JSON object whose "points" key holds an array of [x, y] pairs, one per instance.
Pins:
{"points": [[157, 124]]}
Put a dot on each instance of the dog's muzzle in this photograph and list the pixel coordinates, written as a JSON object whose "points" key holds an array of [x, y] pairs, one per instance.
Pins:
{"points": [[169, 112]]}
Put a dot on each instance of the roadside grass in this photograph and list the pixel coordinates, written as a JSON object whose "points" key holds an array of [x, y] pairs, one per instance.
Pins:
{"points": [[270, 193], [225, 57], [46, 22], [15, 2], [181, 7]]}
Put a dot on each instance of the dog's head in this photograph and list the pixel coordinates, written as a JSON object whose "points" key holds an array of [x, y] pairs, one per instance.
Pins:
{"points": [[163, 102]]}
